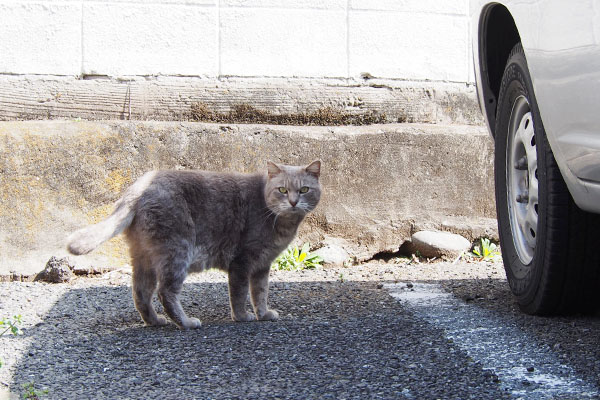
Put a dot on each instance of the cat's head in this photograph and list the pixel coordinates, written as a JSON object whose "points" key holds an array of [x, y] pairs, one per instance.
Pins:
{"points": [[292, 190]]}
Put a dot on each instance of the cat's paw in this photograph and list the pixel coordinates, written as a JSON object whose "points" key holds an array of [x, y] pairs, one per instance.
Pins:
{"points": [[159, 321], [270, 315], [243, 318], [191, 323]]}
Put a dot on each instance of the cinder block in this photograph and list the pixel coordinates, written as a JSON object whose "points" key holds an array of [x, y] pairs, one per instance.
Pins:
{"points": [[470, 61], [40, 38], [460, 7], [283, 42], [311, 4], [167, 2], [408, 46], [149, 39]]}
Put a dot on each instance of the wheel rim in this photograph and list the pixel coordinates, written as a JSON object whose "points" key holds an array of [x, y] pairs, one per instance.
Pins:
{"points": [[522, 182]]}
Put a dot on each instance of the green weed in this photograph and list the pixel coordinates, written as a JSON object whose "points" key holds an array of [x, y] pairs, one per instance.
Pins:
{"points": [[294, 259], [10, 325], [31, 393], [486, 251], [7, 325]]}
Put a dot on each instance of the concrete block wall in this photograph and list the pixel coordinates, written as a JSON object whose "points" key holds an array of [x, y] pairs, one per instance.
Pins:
{"points": [[410, 40]]}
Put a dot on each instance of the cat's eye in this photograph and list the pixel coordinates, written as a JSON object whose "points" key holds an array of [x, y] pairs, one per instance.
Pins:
{"points": [[304, 189], [282, 190]]}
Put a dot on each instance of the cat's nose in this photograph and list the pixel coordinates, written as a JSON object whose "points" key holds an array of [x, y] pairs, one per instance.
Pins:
{"points": [[293, 200]]}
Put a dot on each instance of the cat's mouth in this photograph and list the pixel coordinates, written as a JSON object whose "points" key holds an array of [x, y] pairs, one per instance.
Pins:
{"points": [[292, 211], [295, 211]]}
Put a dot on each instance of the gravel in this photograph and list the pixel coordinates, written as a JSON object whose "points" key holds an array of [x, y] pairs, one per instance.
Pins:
{"points": [[340, 335]]}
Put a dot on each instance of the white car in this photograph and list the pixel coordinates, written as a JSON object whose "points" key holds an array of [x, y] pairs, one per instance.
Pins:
{"points": [[537, 69]]}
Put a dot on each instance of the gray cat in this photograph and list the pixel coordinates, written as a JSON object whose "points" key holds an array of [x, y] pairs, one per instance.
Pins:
{"points": [[178, 222]]}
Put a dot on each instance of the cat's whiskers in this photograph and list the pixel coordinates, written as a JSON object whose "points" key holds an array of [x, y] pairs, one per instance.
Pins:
{"points": [[280, 209], [266, 214]]}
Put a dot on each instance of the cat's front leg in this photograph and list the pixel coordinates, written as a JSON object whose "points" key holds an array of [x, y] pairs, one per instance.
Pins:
{"points": [[238, 296], [259, 292]]}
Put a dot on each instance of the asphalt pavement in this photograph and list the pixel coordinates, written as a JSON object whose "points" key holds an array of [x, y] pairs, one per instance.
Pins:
{"points": [[370, 332]]}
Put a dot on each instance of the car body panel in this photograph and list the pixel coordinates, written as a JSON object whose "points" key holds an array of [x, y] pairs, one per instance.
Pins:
{"points": [[561, 41]]}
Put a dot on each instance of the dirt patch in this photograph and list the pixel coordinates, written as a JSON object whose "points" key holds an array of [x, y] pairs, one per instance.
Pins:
{"points": [[326, 116]]}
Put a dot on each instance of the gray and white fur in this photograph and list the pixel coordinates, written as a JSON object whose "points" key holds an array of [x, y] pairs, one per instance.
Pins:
{"points": [[178, 222]]}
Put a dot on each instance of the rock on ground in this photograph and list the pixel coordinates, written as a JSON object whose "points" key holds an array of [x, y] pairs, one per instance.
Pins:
{"points": [[57, 270], [333, 252], [439, 244]]}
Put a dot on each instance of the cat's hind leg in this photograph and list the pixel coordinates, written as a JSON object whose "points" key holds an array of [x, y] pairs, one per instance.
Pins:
{"points": [[172, 275], [144, 285], [259, 292]]}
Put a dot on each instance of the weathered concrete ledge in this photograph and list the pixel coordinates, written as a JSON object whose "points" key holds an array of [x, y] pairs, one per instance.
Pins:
{"points": [[381, 182], [39, 97]]}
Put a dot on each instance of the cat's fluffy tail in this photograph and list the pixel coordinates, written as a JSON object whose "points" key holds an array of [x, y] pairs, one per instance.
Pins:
{"points": [[87, 239]]}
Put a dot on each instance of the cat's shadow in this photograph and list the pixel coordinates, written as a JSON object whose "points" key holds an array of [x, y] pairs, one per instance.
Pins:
{"points": [[94, 337]]}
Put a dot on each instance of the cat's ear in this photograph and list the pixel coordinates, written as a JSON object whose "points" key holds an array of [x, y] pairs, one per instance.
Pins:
{"points": [[273, 169], [314, 168]]}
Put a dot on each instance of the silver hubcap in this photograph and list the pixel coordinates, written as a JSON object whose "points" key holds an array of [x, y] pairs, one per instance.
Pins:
{"points": [[521, 180]]}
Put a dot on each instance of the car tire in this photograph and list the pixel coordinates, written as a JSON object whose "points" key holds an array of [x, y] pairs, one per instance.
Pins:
{"points": [[550, 247]]}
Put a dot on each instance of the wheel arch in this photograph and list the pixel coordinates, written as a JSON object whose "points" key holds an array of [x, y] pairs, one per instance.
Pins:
{"points": [[497, 34]]}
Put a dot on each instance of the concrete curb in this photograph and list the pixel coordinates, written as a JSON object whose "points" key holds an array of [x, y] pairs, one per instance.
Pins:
{"points": [[381, 182]]}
